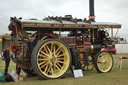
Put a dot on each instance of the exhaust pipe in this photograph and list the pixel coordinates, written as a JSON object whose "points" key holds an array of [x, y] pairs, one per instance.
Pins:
{"points": [[91, 11]]}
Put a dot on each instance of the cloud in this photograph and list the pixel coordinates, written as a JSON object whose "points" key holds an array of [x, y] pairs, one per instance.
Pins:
{"points": [[105, 10]]}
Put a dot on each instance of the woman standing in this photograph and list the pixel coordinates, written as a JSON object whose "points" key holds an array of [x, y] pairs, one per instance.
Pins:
{"points": [[6, 55]]}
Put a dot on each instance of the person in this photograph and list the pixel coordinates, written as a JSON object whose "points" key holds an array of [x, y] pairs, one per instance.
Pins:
{"points": [[6, 55]]}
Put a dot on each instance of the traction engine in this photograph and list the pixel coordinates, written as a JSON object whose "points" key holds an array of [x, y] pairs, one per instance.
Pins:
{"points": [[50, 47]]}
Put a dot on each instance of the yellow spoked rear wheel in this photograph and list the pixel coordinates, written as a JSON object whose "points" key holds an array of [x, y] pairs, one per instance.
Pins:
{"points": [[52, 59], [103, 62]]}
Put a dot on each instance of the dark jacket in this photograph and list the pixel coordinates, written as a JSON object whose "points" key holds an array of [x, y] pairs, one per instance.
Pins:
{"points": [[6, 54]]}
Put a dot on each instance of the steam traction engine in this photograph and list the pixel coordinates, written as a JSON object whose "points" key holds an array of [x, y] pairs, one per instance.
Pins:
{"points": [[51, 46]]}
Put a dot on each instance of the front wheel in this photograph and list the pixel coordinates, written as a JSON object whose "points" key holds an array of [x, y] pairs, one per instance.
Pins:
{"points": [[51, 59], [103, 62]]}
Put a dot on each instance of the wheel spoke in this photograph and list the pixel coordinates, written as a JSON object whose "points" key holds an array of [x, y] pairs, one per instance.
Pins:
{"points": [[52, 70], [58, 68], [60, 55], [101, 66], [42, 59], [59, 52], [44, 53], [60, 58], [61, 62], [54, 67], [58, 49], [106, 66], [44, 65], [46, 68], [59, 65], [48, 49]]}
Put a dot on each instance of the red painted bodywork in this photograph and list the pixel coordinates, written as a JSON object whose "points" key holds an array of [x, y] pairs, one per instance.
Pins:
{"points": [[110, 51]]}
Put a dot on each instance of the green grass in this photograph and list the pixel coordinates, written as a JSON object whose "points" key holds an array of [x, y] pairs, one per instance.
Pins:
{"points": [[115, 77], [0, 47]]}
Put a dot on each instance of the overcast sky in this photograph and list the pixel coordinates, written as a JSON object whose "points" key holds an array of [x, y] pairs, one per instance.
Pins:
{"points": [[105, 11]]}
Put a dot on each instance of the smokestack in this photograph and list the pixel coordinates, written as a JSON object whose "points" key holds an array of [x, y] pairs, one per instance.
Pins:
{"points": [[91, 10]]}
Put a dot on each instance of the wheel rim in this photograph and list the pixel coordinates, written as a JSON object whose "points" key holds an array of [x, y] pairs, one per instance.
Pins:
{"points": [[104, 62], [53, 59]]}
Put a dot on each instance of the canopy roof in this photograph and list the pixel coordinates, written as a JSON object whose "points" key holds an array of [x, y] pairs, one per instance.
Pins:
{"points": [[35, 24]]}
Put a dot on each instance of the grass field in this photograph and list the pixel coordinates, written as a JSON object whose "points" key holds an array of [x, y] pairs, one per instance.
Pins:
{"points": [[115, 77]]}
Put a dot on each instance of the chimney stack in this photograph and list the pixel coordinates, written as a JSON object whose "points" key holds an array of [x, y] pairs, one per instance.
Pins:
{"points": [[91, 10]]}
